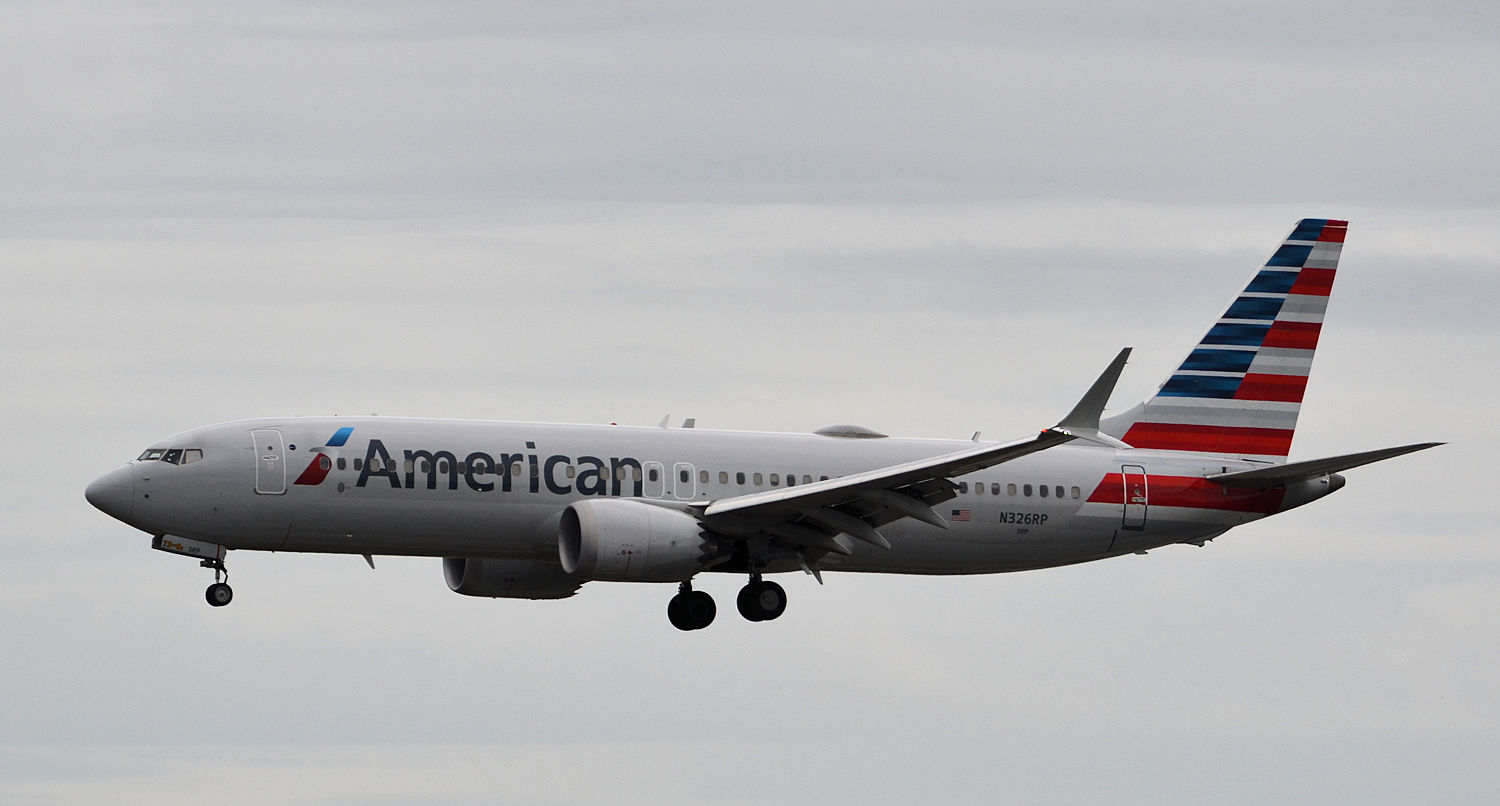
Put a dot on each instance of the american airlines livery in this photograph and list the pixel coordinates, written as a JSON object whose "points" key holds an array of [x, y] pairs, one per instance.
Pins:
{"points": [[534, 510]]}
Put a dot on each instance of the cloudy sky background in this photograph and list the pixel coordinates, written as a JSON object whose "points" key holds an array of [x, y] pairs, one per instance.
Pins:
{"points": [[764, 216]]}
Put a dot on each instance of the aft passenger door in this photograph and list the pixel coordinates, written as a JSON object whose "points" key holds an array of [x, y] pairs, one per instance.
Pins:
{"points": [[270, 462], [1134, 478]]}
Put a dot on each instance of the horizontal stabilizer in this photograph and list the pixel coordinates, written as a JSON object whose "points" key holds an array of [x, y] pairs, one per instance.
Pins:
{"points": [[1312, 468]]}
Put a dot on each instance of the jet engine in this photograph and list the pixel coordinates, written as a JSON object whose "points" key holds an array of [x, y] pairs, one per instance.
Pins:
{"points": [[508, 579], [620, 540]]}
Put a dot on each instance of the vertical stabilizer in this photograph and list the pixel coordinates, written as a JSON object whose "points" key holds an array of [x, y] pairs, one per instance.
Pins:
{"points": [[1238, 392]]}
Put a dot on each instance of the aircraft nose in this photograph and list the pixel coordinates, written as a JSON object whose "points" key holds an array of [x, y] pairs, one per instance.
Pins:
{"points": [[113, 493]]}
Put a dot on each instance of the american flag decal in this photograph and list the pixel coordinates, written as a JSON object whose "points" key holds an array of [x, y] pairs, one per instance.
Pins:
{"points": [[963, 515]]}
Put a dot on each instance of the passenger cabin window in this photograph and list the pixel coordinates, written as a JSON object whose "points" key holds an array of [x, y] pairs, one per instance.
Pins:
{"points": [[775, 479], [1077, 492], [1043, 490], [995, 488], [703, 477], [739, 478], [1010, 489], [723, 477], [759, 479], [342, 461], [1026, 490], [1058, 491], [652, 474], [963, 486]]}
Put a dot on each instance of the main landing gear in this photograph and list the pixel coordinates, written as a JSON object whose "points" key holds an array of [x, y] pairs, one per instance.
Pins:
{"points": [[219, 593], [690, 609], [759, 600]]}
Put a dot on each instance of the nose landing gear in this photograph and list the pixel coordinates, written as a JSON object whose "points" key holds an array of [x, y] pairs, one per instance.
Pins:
{"points": [[219, 593]]}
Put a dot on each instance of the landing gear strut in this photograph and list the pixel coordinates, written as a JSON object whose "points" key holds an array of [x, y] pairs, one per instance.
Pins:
{"points": [[219, 593], [760, 600], [690, 609]]}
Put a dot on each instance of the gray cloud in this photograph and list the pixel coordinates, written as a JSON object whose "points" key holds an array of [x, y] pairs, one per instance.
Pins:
{"points": [[771, 217]]}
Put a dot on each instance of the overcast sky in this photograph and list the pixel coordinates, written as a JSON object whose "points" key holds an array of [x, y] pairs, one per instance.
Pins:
{"points": [[929, 221]]}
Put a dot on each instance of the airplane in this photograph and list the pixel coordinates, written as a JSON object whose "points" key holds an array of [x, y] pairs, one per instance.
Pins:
{"points": [[535, 510]]}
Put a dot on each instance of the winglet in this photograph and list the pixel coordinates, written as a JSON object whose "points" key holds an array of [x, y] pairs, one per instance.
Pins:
{"points": [[1083, 420]]}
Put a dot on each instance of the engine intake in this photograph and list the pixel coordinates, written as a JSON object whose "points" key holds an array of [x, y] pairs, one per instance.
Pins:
{"points": [[622, 540]]}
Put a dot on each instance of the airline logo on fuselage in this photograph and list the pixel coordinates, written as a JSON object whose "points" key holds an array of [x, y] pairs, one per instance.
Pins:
{"points": [[321, 463], [484, 472]]}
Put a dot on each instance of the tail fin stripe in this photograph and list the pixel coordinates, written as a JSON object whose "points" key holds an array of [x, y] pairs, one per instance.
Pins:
{"points": [[1283, 388], [1277, 415], [1294, 335], [1273, 281], [1315, 282], [1303, 308], [1254, 308], [1206, 360], [1234, 334], [1333, 231], [1210, 438], [1199, 386], [1278, 361], [1290, 255], [1310, 229], [1319, 229]]}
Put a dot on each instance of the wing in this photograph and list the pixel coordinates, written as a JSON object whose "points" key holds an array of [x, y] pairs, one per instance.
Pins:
{"points": [[811, 520]]}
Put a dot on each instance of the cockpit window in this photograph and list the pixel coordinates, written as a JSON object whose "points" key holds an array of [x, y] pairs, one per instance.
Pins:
{"points": [[175, 456]]}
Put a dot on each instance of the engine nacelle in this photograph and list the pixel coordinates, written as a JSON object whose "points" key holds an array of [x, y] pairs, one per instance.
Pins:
{"points": [[508, 579], [621, 540]]}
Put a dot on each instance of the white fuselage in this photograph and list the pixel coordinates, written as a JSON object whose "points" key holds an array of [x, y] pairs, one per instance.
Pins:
{"points": [[448, 488]]}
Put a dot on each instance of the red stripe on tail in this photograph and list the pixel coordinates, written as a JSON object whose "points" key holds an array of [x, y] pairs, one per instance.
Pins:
{"points": [[1314, 282], [1334, 231], [1210, 439], [1293, 335], [1281, 388]]}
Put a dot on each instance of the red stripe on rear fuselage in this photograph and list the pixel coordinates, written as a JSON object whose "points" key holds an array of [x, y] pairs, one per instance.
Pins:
{"points": [[1190, 492]]}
